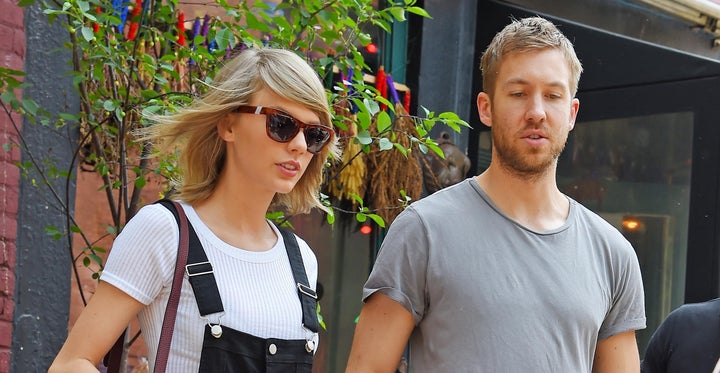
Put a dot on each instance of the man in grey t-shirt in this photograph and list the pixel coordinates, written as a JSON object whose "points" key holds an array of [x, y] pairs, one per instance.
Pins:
{"points": [[503, 272]]}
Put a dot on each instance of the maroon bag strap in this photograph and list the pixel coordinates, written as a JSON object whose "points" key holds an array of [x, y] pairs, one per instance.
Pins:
{"points": [[171, 310], [113, 357]]}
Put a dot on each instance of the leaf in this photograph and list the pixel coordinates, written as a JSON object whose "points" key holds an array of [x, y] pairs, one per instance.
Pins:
{"points": [[385, 144], [423, 148], [419, 11], [360, 217], [363, 119], [401, 149], [109, 105], [453, 121], [84, 7], [364, 137], [87, 33], [98, 249], [384, 122], [95, 258], [434, 147], [69, 117], [30, 106], [254, 23], [224, 39], [398, 13], [364, 38], [377, 219], [152, 110]]}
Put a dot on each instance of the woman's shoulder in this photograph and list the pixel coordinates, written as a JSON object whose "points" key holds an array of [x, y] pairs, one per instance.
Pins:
{"points": [[151, 220]]}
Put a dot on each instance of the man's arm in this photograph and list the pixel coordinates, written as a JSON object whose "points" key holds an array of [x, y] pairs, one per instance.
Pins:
{"points": [[617, 354], [380, 337]]}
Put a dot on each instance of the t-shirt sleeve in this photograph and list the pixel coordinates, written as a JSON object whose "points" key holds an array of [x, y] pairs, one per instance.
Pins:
{"points": [[142, 259], [627, 311], [401, 266]]}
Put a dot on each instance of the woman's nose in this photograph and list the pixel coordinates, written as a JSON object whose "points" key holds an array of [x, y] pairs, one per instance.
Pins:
{"points": [[298, 142]]}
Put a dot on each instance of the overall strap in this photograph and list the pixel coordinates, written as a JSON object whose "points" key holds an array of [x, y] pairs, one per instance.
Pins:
{"points": [[201, 274], [308, 297]]}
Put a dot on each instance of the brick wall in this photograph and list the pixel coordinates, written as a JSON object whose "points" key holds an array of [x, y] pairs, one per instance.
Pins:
{"points": [[12, 55]]}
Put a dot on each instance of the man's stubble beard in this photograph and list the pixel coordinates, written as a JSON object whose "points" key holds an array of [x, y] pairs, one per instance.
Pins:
{"points": [[531, 165]]}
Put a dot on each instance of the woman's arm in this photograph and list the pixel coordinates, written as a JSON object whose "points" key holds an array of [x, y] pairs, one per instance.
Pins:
{"points": [[100, 324]]}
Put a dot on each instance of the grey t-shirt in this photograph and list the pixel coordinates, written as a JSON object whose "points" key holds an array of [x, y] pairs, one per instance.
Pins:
{"points": [[489, 295]]}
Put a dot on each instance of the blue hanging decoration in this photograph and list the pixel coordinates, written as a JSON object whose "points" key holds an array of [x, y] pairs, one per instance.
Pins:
{"points": [[393, 92], [120, 9], [351, 90], [195, 33], [205, 28]]}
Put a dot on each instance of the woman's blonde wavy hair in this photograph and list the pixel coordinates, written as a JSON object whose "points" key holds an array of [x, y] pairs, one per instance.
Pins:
{"points": [[192, 131]]}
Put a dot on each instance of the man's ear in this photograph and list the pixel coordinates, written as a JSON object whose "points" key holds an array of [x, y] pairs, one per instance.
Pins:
{"points": [[225, 127], [575, 107], [484, 107]]}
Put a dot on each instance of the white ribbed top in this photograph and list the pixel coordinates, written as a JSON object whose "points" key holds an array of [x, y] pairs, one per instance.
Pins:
{"points": [[257, 288]]}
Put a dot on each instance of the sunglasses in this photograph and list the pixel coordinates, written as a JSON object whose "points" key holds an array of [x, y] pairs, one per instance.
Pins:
{"points": [[282, 127]]}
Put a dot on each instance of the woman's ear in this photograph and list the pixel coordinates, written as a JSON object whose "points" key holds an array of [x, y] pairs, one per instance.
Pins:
{"points": [[225, 127], [484, 108]]}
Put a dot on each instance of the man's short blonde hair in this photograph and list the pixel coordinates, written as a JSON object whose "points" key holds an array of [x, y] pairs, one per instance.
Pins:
{"points": [[523, 35]]}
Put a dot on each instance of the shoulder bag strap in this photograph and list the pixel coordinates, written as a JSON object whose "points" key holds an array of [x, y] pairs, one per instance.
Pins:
{"points": [[171, 310], [308, 297]]}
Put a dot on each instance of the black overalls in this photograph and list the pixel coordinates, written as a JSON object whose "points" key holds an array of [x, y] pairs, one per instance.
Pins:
{"points": [[226, 350]]}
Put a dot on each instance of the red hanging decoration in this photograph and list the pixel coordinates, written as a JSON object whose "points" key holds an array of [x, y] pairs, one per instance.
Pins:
{"points": [[132, 31], [381, 85], [181, 28], [96, 26], [407, 101]]}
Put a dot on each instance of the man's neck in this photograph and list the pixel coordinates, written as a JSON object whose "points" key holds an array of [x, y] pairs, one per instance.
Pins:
{"points": [[535, 202]]}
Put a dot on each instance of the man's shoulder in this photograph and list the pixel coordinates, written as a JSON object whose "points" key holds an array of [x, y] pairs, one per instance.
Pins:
{"points": [[453, 194], [709, 309]]}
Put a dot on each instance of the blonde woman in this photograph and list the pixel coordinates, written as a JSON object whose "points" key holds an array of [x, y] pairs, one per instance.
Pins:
{"points": [[258, 139]]}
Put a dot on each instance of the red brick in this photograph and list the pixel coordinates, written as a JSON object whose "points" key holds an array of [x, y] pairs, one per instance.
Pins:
{"points": [[8, 252], [9, 195], [9, 173], [12, 61], [6, 42], [5, 334], [12, 198], [4, 360], [19, 44], [8, 229], [8, 308], [12, 15], [7, 282]]}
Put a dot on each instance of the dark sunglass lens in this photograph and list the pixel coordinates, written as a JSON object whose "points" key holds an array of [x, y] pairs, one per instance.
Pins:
{"points": [[316, 137], [282, 128]]}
